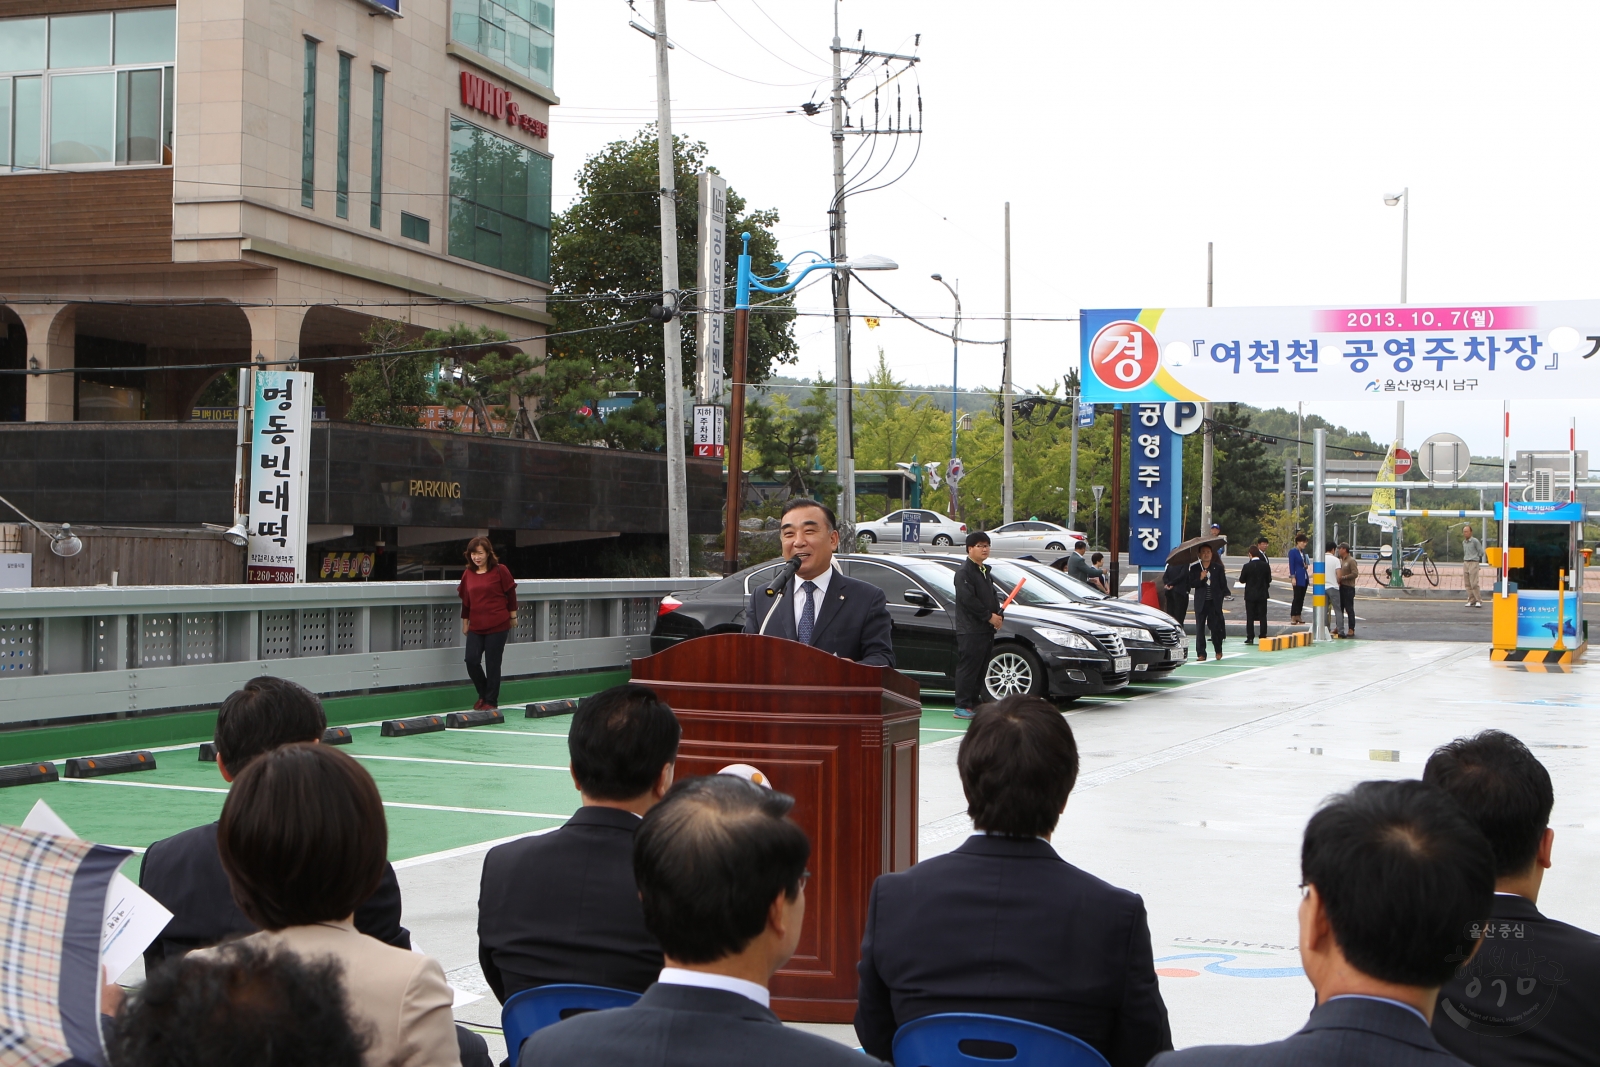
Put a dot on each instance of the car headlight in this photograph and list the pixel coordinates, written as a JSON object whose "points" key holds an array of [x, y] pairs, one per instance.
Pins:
{"points": [[1067, 638], [1133, 633]]}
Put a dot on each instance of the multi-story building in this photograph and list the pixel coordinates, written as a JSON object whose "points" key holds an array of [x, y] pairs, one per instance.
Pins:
{"points": [[186, 188]]}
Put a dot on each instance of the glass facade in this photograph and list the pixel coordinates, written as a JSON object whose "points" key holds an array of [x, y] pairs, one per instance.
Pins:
{"points": [[377, 149], [341, 166], [308, 129], [517, 34], [499, 202], [87, 90]]}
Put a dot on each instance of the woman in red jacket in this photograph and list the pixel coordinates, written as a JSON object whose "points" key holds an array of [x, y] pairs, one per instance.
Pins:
{"points": [[488, 612]]}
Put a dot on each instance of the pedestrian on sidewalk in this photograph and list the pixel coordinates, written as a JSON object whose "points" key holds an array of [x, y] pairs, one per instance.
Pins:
{"points": [[977, 619], [1349, 570], [488, 612], [1299, 576], [1330, 587], [1471, 560], [1256, 575], [1097, 562], [1209, 580], [1175, 592]]}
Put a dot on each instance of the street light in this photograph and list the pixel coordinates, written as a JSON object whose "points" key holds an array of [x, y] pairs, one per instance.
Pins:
{"points": [[238, 534], [1098, 489], [63, 542], [1394, 200], [955, 364], [746, 281]]}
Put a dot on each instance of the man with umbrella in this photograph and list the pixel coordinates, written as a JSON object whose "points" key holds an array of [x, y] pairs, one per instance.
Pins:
{"points": [[1209, 580]]}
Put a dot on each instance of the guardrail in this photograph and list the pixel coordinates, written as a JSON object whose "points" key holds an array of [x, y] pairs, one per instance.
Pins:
{"points": [[104, 650]]}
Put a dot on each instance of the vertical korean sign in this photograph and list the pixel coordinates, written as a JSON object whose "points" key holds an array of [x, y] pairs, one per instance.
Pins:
{"points": [[709, 340], [708, 431], [280, 454], [1155, 487]]}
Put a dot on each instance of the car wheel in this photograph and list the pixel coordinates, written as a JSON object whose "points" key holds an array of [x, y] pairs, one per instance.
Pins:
{"points": [[867, 537], [942, 539], [1013, 671], [1055, 546]]}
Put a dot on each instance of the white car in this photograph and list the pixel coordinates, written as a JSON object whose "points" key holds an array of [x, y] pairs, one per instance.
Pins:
{"points": [[1034, 535], [932, 528]]}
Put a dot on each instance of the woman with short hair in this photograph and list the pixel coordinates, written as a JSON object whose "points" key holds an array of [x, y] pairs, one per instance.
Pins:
{"points": [[488, 612], [303, 840]]}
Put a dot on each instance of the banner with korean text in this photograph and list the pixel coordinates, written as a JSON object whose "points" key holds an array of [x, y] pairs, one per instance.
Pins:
{"points": [[1278, 355], [280, 428], [1155, 487]]}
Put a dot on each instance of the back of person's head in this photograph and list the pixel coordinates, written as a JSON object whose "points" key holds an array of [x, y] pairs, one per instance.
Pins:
{"points": [[977, 537], [619, 740], [266, 713], [1331, 547], [1402, 873], [1018, 762], [710, 859], [1502, 788], [241, 1006], [302, 837]]}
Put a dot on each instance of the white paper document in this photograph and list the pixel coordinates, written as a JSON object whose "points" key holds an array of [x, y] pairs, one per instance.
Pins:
{"points": [[133, 918]]}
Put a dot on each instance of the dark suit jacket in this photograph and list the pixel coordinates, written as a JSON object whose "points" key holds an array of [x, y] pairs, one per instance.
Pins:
{"points": [[563, 907], [184, 872], [976, 599], [852, 620], [1210, 587], [1549, 981], [1005, 926], [684, 1026], [1257, 578], [1341, 1033]]}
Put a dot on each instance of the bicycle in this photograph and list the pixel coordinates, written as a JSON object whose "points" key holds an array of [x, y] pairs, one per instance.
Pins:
{"points": [[1383, 570]]}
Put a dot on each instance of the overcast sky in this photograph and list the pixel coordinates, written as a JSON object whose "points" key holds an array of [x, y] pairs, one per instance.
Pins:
{"points": [[1128, 135]]}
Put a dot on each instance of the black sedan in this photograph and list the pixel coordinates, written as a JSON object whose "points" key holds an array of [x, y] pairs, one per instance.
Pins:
{"points": [[1154, 641], [1052, 651]]}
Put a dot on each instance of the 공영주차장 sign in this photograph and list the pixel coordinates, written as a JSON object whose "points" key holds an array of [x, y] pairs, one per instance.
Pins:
{"points": [[1270, 356], [280, 429]]}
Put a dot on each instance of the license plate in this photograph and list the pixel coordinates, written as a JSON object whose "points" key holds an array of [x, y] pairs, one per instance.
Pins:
{"points": [[1181, 652], [1121, 664]]}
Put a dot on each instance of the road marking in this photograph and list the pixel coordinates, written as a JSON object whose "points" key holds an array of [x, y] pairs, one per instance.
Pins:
{"points": [[148, 785], [507, 733], [386, 803], [467, 850], [459, 762]]}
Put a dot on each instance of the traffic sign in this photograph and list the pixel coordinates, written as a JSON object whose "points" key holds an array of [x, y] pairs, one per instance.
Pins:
{"points": [[1182, 417], [708, 431], [1444, 457], [1402, 463]]}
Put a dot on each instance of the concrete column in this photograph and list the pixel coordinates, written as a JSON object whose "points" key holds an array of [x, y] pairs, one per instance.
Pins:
{"points": [[275, 334], [52, 340]]}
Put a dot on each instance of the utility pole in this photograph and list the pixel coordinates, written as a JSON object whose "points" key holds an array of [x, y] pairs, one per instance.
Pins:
{"points": [[1008, 475], [1207, 443], [1319, 536], [1115, 544], [843, 420], [1072, 473], [672, 329]]}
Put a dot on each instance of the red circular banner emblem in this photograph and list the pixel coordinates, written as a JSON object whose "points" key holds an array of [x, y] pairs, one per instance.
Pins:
{"points": [[1124, 355]]}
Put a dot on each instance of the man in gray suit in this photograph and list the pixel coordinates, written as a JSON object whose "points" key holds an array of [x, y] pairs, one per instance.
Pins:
{"points": [[1395, 875], [722, 875]]}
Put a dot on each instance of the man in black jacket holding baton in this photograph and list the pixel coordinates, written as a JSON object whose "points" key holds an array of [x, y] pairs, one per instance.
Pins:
{"points": [[977, 619]]}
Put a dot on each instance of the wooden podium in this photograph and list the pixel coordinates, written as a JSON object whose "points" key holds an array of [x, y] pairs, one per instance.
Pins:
{"points": [[839, 737]]}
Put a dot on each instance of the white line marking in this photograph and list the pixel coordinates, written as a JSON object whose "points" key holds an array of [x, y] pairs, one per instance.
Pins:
{"points": [[940, 730], [466, 850], [386, 803], [457, 762], [507, 733], [148, 785]]}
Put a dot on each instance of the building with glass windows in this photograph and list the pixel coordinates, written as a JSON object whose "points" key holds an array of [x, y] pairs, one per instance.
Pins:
{"points": [[188, 187]]}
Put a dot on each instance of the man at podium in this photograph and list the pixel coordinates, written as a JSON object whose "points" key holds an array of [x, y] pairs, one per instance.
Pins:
{"points": [[814, 604]]}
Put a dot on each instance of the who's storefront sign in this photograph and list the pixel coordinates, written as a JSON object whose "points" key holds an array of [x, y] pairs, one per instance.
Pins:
{"points": [[280, 428], [1273, 355]]}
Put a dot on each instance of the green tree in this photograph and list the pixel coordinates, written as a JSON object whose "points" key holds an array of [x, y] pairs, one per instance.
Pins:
{"points": [[388, 388], [606, 269], [1244, 477], [478, 376], [786, 438]]}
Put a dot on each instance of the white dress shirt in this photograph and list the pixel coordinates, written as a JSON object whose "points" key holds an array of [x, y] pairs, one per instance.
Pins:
{"points": [[821, 582], [727, 983], [1381, 1000]]}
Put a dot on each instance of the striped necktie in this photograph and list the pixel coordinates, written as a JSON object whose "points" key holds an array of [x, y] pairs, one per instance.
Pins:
{"points": [[808, 614]]}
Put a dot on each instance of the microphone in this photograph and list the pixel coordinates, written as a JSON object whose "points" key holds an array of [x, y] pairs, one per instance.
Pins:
{"points": [[783, 577]]}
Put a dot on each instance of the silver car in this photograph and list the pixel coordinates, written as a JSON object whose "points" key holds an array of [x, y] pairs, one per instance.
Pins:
{"points": [[1033, 535], [932, 528]]}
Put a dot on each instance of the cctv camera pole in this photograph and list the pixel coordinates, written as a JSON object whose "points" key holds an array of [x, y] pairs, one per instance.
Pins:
{"points": [[672, 329], [1319, 533], [844, 460]]}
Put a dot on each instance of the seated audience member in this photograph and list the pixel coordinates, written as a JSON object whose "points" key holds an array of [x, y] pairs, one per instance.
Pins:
{"points": [[563, 906], [1394, 876], [722, 874], [183, 871], [1527, 967], [1003, 925], [243, 1007], [303, 839]]}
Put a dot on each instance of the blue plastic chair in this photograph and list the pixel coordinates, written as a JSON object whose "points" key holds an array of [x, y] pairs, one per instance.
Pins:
{"points": [[539, 1007], [964, 1039]]}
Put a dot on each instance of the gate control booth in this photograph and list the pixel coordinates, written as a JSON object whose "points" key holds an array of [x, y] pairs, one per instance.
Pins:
{"points": [[1538, 599]]}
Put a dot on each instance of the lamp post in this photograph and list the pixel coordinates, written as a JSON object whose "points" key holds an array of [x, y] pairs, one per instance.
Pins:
{"points": [[1098, 489], [955, 366], [1403, 199], [63, 542], [746, 281]]}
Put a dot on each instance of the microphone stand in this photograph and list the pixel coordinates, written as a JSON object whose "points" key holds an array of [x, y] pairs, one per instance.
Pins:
{"points": [[776, 591]]}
